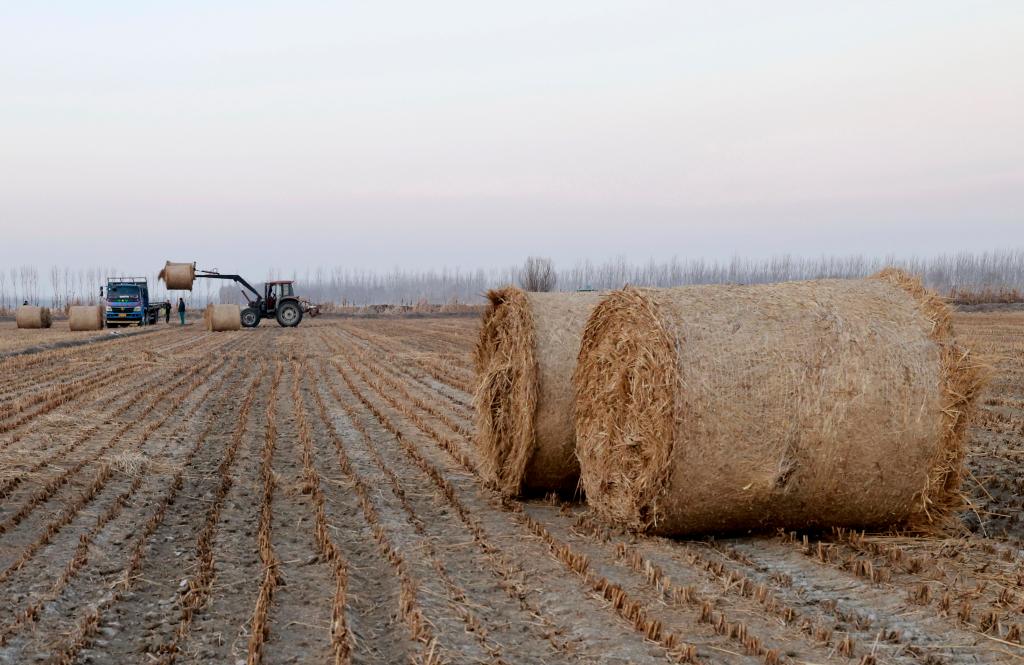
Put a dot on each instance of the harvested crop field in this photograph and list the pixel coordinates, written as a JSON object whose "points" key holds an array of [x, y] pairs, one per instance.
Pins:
{"points": [[311, 495]]}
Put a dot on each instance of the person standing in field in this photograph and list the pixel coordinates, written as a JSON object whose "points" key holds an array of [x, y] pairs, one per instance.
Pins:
{"points": [[181, 310]]}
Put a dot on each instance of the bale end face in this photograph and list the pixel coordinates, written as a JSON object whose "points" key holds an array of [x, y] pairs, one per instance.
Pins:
{"points": [[625, 422], [962, 379], [506, 392]]}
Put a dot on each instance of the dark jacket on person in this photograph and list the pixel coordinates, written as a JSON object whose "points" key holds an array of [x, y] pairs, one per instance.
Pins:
{"points": [[181, 305]]}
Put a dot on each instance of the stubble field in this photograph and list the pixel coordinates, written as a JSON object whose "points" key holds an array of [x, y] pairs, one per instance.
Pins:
{"points": [[310, 495]]}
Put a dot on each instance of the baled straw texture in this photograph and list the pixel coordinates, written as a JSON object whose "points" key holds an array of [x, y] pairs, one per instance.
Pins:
{"points": [[525, 357], [208, 316], [32, 317], [178, 276], [85, 317], [225, 317], [796, 405]]}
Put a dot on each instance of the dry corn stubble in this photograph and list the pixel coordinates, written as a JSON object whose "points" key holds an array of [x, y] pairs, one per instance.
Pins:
{"points": [[802, 404], [524, 359]]}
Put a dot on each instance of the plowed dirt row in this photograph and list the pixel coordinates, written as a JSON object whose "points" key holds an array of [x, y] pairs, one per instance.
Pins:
{"points": [[310, 495]]}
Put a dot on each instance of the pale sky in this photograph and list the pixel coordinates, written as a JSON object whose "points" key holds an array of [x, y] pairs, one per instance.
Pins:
{"points": [[249, 135]]}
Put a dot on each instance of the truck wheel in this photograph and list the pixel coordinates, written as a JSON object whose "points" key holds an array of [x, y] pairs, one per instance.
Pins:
{"points": [[250, 317], [289, 314]]}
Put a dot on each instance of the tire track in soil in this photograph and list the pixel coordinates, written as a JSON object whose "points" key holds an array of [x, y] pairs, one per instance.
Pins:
{"points": [[601, 631], [91, 589]]}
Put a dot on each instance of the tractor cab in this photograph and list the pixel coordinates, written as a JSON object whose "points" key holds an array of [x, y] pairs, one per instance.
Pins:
{"points": [[276, 292]]}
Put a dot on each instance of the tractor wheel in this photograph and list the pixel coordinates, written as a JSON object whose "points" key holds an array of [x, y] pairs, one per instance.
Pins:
{"points": [[289, 314], [250, 317]]}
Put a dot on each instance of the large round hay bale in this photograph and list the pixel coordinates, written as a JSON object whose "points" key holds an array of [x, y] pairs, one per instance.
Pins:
{"points": [[31, 317], [795, 405], [85, 317], [525, 357], [225, 317], [178, 276]]}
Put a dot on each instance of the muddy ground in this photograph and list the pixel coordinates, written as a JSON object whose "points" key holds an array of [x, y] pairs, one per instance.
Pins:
{"points": [[310, 495]]}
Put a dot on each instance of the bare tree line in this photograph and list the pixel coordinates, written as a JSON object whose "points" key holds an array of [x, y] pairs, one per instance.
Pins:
{"points": [[946, 273]]}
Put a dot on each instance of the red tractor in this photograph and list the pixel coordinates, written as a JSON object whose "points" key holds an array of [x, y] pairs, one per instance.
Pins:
{"points": [[278, 300]]}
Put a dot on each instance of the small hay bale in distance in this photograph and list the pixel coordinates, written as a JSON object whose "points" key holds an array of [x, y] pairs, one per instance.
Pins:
{"points": [[32, 317], [85, 317], [524, 357], [178, 276], [795, 405], [225, 317]]}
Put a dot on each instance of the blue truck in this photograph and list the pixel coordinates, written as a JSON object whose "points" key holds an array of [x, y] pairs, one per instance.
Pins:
{"points": [[127, 303]]}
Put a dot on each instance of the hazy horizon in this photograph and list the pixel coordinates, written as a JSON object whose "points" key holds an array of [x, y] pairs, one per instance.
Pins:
{"points": [[257, 136]]}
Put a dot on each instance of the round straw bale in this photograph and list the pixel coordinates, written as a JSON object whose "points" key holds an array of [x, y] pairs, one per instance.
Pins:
{"points": [[795, 405], [85, 317], [178, 275], [525, 357], [30, 316], [225, 317]]}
